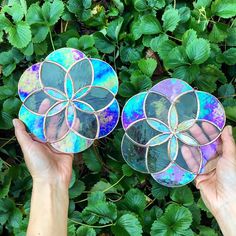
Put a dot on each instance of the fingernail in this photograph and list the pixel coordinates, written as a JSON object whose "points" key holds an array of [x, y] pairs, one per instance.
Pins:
{"points": [[15, 122], [230, 130]]}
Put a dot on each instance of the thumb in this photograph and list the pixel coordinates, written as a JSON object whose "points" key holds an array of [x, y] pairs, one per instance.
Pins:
{"points": [[22, 136], [228, 143]]}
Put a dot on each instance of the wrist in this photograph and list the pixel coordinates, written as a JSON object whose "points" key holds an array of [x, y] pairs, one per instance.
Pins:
{"points": [[225, 217]]}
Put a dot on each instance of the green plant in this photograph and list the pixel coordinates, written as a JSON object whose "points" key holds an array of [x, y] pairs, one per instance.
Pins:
{"points": [[145, 41]]}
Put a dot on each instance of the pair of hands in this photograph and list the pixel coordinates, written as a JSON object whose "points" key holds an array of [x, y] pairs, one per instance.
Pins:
{"points": [[218, 188]]}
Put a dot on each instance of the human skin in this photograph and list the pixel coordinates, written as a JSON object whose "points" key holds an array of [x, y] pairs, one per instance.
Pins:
{"points": [[51, 173]]}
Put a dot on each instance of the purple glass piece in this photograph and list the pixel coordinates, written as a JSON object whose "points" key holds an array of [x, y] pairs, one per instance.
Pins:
{"points": [[133, 110], [171, 88], [211, 109]]}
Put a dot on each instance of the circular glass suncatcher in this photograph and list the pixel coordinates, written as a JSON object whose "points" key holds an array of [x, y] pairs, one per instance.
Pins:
{"points": [[172, 132], [69, 100]]}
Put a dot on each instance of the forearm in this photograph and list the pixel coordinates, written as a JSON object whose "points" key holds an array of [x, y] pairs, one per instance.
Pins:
{"points": [[49, 209], [226, 218]]}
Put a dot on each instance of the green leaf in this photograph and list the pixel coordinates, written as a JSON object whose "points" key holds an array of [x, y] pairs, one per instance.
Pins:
{"points": [[135, 200], [5, 186], [140, 81], [198, 51], [164, 48], [226, 90], [114, 27], [4, 22], [224, 8], [186, 73], [158, 191], [140, 5], [184, 14], [150, 25], [147, 66], [19, 35], [156, 42], [127, 171], [182, 195], [218, 33], [102, 43], [91, 160], [35, 15], [202, 3], [231, 113], [231, 37], [85, 231], [16, 11], [128, 54], [230, 56], [52, 11], [39, 33], [127, 225], [126, 89], [188, 37], [77, 189], [11, 105], [175, 221], [176, 57], [207, 231], [170, 20]]}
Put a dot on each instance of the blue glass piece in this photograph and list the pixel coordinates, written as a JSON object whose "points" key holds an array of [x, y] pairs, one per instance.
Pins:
{"points": [[69, 88]]}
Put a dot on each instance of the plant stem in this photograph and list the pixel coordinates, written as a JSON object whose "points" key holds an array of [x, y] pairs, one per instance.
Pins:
{"points": [[174, 4], [91, 226], [50, 34], [105, 190], [8, 141]]}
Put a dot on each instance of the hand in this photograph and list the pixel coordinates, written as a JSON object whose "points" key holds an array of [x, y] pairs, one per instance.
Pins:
{"points": [[44, 163]]}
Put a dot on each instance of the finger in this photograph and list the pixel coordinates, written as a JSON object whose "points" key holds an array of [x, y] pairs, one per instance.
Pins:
{"points": [[44, 106], [52, 127], [189, 159], [203, 177], [63, 129], [210, 130], [22, 136], [228, 144], [76, 125], [197, 133]]}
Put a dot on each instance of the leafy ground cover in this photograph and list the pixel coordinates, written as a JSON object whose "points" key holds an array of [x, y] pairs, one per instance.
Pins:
{"points": [[145, 41]]}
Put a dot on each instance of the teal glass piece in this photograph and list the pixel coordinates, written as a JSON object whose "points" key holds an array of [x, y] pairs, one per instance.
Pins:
{"points": [[69, 88], [71, 98], [159, 139], [173, 148], [55, 94], [177, 126]]}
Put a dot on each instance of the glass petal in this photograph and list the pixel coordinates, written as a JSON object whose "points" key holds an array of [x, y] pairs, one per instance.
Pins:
{"points": [[159, 139], [186, 106], [65, 56], [55, 126], [141, 132], [211, 109], [173, 118], [185, 125], [171, 88], [81, 74], [86, 124], [82, 106], [56, 108], [70, 114], [186, 138], [56, 94], [204, 132], [69, 87], [157, 158], [33, 122], [81, 93], [174, 176], [158, 125], [98, 98], [133, 110], [104, 75], [29, 81], [134, 154], [39, 102], [173, 148], [108, 119], [53, 75], [157, 106], [72, 143], [189, 158]]}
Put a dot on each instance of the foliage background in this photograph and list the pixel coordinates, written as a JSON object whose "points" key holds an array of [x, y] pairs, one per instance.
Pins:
{"points": [[145, 41]]}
